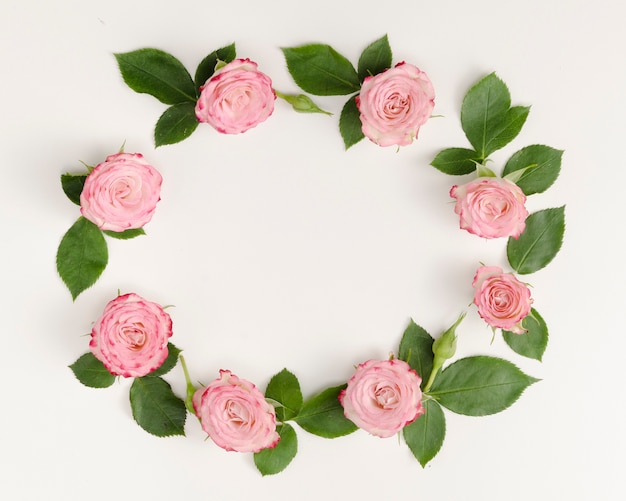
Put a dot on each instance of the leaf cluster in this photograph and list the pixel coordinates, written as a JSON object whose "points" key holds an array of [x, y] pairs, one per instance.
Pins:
{"points": [[82, 254], [322, 71], [474, 386], [490, 122], [321, 415], [160, 74], [154, 405]]}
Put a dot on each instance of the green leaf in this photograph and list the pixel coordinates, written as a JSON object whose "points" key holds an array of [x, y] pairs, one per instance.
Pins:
{"points": [[82, 256], [540, 164], [514, 120], [322, 415], [487, 118], [533, 343], [177, 123], [479, 386], [320, 70], [350, 123], [126, 234], [375, 59], [206, 68], [284, 388], [155, 407], [169, 363], [540, 241], [154, 72], [416, 349], [73, 186], [91, 372], [456, 161], [425, 435], [272, 461]]}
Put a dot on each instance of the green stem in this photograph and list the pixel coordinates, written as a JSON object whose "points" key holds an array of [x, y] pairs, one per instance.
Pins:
{"points": [[191, 389], [433, 374]]}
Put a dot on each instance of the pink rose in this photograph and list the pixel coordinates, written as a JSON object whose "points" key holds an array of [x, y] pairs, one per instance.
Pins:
{"points": [[236, 98], [502, 300], [394, 104], [121, 193], [382, 397], [131, 336], [491, 207], [236, 415]]}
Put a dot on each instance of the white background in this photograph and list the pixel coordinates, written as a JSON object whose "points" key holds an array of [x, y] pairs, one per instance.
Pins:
{"points": [[279, 249]]}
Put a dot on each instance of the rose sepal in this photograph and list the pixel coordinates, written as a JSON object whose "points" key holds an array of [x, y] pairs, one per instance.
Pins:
{"points": [[484, 171]]}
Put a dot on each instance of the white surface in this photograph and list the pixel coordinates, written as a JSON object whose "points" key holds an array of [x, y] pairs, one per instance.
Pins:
{"points": [[279, 249]]}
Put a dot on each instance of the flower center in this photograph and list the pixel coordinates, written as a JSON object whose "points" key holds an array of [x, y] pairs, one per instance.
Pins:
{"points": [[237, 414], [134, 336], [386, 397]]}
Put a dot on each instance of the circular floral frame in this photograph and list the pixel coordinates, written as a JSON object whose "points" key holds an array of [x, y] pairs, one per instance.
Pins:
{"points": [[384, 397]]}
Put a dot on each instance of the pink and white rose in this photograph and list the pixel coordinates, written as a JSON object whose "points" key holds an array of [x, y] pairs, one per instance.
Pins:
{"points": [[394, 104], [236, 415], [502, 300], [236, 98], [491, 207], [131, 336], [121, 193], [382, 397]]}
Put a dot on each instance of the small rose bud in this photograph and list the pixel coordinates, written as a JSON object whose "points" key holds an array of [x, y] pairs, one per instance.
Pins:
{"points": [[302, 103], [445, 346]]}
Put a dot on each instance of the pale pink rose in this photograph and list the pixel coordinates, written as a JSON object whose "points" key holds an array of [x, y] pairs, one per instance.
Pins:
{"points": [[236, 415], [394, 104], [502, 300], [121, 193], [491, 207], [236, 98], [131, 336], [382, 397]]}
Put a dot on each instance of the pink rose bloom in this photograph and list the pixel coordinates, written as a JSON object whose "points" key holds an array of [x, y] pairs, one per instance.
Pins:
{"points": [[491, 207], [236, 415], [131, 336], [121, 193], [382, 397], [394, 104], [236, 98], [502, 300]]}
